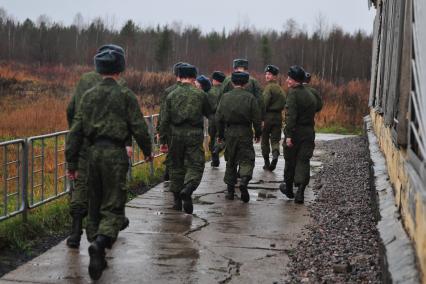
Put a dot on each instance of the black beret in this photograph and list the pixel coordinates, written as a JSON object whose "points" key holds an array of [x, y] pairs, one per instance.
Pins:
{"points": [[240, 63], [175, 67], [218, 76], [205, 83], [274, 70], [240, 78], [297, 73], [187, 71], [110, 59]]}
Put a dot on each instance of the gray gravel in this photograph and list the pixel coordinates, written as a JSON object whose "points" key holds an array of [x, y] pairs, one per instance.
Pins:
{"points": [[342, 244]]}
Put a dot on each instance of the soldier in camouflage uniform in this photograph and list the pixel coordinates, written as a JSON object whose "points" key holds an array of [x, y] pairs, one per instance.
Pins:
{"points": [[183, 118], [299, 134], [237, 114], [164, 95], [274, 102], [79, 199], [217, 78], [241, 65], [108, 115], [203, 83]]}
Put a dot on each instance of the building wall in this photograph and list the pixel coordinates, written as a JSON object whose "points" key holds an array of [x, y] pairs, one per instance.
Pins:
{"points": [[410, 199]]}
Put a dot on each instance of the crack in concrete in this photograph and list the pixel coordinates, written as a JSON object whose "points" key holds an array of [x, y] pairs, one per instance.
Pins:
{"points": [[258, 248], [24, 281], [206, 194], [262, 187], [233, 270], [233, 266], [266, 181]]}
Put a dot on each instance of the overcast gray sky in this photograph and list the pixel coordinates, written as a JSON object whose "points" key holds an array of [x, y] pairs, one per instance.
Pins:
{"points": [[208, 15]]}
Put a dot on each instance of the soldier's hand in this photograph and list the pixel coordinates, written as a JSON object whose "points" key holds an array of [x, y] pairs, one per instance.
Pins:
{"points": [[256, 140], [263, 124], [164, 148], [72, 175], [289, 142], [129, 150], [149, 158]]}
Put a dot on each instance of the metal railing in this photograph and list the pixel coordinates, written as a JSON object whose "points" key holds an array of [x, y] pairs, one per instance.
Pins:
{"points": [[33, 170]]}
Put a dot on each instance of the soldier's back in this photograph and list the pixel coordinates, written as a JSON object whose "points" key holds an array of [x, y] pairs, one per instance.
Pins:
{"points": [[275, 97], [105, 110], [236, 106], [306, 104], [186, 106]]}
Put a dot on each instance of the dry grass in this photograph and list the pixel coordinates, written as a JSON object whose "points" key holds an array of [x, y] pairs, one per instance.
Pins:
{"points": [[34, 99]]}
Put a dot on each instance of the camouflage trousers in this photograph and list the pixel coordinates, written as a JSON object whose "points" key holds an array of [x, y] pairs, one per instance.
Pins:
{"points": [[271, 136], [239, 151], [212, 134], [79, 201], [108, 166], [186, 161], [297, 160]]}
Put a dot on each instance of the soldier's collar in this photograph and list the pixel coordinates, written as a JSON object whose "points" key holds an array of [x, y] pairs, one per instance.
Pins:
{"points": [[109, 80]]}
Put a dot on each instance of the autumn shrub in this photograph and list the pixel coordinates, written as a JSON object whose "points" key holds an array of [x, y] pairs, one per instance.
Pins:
{"points": [[33, 99]]}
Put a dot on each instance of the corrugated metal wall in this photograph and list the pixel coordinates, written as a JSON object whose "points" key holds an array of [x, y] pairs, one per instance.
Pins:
{"points": [[417, 111], [398, 82]]}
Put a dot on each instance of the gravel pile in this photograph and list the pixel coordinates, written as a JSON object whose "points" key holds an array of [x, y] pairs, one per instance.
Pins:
{"points": [[342, 244]]}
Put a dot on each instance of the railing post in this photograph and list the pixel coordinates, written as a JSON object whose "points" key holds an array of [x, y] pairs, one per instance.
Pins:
{"points": [[151, 125], [129, 172], [24, 183]]}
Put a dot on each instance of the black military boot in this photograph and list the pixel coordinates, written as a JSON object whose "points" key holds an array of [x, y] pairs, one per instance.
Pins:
{"points": [[177, 201], [215, 160], [166, 176], [97, 256], [185, 195], [287, 190], [300, 194], [275, 155], [125, 224], [230, 193], [267, 163], [245, 196], [73, 240]]}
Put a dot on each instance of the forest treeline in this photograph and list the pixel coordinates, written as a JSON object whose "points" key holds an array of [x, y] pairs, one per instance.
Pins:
{"points": [[330, 53]]}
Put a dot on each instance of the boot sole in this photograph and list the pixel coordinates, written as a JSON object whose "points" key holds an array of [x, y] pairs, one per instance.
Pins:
{"points": [[73, 245], [229, 197], [125, 224], [273, 164], [287, 194], [245, 196], [97, 262], [188, 207]]}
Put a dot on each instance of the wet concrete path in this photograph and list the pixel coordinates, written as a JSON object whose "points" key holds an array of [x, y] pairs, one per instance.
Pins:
{"points": [[223, 242]]}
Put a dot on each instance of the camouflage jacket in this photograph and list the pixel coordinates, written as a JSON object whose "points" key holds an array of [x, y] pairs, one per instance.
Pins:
{"points": [[107, 111], [183, 112], [163, 98], [252, 86], [317, 96], [88, 80], [301, 108], [274, 100], [213, 97], [238, 112]]}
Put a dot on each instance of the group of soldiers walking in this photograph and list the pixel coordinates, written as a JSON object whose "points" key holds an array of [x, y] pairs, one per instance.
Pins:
{"points": [[104, 115]]}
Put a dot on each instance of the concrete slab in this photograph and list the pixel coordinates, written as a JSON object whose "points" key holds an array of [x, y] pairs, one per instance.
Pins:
{"points": [[223, 242]]}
